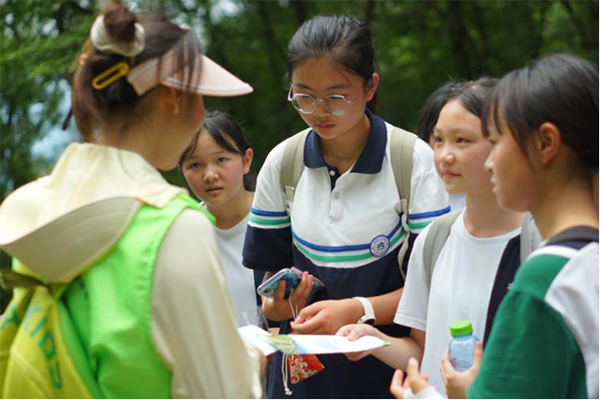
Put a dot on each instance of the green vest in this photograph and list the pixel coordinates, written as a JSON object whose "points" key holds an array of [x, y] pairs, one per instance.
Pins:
{"points": [[104, 347]]}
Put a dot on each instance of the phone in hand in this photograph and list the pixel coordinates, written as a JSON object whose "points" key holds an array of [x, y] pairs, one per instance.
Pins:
{"points": [[292, 277]]}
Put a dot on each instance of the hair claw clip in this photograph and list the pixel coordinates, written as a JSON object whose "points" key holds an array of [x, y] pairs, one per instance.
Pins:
{"points": [[110, 75]]}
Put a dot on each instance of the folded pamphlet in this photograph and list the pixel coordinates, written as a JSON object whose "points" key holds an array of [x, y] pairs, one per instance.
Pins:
{"points": [[307, 344]]}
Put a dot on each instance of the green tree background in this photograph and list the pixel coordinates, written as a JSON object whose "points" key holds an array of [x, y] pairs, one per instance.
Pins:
{"points": [[420, 45]]}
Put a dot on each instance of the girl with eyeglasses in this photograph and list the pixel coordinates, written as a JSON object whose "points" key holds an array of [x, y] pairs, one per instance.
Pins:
{"points": [[344, 226]]}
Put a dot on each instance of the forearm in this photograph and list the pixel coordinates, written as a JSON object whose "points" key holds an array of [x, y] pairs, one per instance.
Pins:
{"points": [[385, 306], [400, 350]]}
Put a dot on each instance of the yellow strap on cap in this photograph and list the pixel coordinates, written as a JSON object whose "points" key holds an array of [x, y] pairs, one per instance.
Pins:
{"points": [[110, 75]]}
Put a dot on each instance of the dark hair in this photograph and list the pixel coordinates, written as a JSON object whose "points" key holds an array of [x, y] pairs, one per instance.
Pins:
{"points": [[471, 95], [90, 105], [430, 112], [344, 40], [560, 89], [229, 135]]}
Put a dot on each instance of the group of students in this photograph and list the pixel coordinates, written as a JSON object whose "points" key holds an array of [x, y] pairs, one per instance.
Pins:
{"points": [[142, 273]]}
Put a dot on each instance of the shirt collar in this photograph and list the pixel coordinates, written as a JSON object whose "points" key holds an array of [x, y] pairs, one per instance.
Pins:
{"points": [[370, 159]]}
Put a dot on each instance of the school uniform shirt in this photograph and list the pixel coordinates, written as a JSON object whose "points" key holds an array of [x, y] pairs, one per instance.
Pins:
{"points": [[544, 342], [240, 280], [346, 231], [460, 289]]}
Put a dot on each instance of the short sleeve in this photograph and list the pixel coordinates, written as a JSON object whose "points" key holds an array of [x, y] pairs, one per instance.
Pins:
{"points": [[412, 309], [530, 354], [429, 199], [268, 243]]}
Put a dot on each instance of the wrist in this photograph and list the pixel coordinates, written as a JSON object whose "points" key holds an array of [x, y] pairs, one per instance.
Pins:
{"points": [[366, 311], [273, 313]]}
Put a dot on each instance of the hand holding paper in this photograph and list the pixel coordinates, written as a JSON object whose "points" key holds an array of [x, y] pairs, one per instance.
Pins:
{"points": [[307, 344]]}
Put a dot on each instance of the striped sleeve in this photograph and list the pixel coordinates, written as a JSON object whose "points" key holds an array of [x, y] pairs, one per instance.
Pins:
{"points": [[268, 219], [268, 243], [429, 199]]}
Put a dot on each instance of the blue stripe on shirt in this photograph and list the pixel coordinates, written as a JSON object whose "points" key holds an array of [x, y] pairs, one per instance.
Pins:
{"points": [[430, 214], [268, 213]]}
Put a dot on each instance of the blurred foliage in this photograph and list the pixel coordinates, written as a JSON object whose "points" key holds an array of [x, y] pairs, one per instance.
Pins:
{"points": [[420, 45]]}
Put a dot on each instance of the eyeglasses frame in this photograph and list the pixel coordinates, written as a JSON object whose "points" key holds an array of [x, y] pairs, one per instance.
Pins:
{"points": [[316, 101]]}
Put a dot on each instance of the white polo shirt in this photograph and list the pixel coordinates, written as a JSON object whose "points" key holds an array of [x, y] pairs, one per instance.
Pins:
{"points": [[346, 231], [341, 223]]}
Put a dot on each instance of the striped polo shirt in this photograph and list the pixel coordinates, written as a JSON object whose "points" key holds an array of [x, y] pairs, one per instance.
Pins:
{"points": [[341, 224], [345, 229]]}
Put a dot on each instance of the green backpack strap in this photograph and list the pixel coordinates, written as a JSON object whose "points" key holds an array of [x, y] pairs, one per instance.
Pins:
{"points": [[402, 145], [292, 166], [436, 239]]}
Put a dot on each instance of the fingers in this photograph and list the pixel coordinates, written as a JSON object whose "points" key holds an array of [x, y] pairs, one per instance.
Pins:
{"points": [[309, 312], [345, 330], [354, 331], [302, 292], [280, 292], [417, 383], [360, 331], [359, 355], [447, 368], [304, 286], [306, 325], [477, 356], [396, 386]]}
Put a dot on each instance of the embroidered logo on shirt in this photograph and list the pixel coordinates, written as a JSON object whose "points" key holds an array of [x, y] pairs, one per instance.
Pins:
{"points": [[380, 245]]}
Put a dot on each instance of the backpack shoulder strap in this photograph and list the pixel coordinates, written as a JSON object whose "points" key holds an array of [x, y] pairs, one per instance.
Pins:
{"points": [[436, 239], [576, 234], [402, 144], [530, 237], [292, 166]]}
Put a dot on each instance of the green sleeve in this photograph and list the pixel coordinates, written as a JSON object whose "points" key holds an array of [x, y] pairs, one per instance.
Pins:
{"points": [[531, 354]]}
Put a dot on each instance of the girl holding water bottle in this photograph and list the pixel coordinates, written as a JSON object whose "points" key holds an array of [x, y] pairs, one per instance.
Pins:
{"points": [[542, 121], [458, 285]]}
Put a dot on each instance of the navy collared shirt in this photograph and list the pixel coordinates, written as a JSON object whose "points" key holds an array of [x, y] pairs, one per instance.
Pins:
{"points": [[369, 161]]}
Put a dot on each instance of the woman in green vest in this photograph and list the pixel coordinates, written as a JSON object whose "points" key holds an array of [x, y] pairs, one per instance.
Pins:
{"points": [[129, 261]]}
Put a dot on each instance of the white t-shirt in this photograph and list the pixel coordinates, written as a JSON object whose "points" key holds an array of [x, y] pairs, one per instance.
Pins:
{"points": [[240, 280], [458, 201], [460, 290]]}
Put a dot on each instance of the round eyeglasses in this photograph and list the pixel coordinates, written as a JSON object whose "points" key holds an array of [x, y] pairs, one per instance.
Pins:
{"points": [[306, 104]]}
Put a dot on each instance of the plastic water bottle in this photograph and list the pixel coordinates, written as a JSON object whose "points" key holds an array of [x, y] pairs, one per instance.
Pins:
{"points": [[462, 346]]}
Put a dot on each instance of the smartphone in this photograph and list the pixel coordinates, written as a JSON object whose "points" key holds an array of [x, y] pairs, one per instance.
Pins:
{"points": [[292, 277]]}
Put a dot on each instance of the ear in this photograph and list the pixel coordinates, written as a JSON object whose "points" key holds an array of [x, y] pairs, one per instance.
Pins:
{"points": [[372, 89], [547, 142], [82, 59], [248, 157], [171, 98]]}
